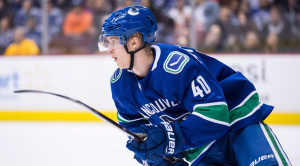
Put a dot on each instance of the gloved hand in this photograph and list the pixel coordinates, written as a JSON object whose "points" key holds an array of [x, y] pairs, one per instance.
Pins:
{"points": [[161, 162], [162, 140]]}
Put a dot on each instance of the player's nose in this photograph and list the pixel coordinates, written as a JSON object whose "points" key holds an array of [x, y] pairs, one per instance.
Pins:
{"points": [[110, 51]]}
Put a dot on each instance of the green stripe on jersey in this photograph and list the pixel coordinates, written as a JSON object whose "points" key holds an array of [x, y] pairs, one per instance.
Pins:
{"points": [[242, 111], [215, 113], [284, 162], [191, 155], [121, 119]]}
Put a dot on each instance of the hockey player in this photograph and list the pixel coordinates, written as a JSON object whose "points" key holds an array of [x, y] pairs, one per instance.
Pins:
{"points": [[188, 105]]}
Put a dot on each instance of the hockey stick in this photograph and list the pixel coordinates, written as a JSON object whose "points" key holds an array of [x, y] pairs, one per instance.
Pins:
{"points": [[92, 110], [137, 137]]}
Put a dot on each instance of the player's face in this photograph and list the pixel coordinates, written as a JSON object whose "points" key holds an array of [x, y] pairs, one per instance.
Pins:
{"points": [[118, 52]]}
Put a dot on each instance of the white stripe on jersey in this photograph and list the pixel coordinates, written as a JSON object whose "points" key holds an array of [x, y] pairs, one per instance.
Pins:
{"points": [[271, 144]]}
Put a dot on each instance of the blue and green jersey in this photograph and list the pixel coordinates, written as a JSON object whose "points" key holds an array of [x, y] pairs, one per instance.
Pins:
{"points": [[205, 95]]}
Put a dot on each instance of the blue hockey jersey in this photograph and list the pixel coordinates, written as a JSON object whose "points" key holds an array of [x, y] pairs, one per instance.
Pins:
{"points": [[206, 96]]}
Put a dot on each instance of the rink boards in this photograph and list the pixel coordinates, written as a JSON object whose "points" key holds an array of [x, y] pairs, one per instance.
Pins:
{"points": [[87, 78]]}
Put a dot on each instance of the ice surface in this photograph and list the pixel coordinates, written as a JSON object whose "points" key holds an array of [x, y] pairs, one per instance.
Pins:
{"points": [[88, 144]]}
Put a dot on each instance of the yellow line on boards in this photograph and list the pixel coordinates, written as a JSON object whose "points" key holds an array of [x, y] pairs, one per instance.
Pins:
{"points": [[54, 116], [283, 118], [273, 118]]}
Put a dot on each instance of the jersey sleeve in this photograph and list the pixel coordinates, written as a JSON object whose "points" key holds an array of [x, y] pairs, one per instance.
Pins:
{"points": [[204, 98], [127, 114], [241, 96], [129, 118]]}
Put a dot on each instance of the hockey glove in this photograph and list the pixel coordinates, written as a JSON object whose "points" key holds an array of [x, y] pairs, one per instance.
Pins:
{"points": [[161, 162], [162, 140]]}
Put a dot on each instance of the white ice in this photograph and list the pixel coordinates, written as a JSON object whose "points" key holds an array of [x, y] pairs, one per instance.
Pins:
{"points": [[88, 144]]}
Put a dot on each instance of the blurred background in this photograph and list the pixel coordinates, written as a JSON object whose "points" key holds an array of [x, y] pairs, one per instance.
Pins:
{"points": [[212, 26], [51, 45]]}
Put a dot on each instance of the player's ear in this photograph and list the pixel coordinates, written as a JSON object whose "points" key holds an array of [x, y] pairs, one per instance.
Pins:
{"points": [[134, 43]]}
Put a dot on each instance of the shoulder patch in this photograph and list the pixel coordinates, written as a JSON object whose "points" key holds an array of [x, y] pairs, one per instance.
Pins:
{"points": [[175, 62], [117, 74]]}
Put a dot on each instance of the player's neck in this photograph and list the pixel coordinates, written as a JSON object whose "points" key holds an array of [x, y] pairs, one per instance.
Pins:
{"points": [[142, 62]]}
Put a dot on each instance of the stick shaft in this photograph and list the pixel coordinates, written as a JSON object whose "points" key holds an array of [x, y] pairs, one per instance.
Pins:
{"points": [[101, 116], [92, 110]]}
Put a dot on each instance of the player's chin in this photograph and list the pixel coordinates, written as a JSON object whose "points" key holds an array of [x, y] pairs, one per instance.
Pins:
{"points": [[120, 66]]}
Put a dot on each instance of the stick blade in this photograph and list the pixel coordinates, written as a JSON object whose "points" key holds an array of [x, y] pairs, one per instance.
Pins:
{"points": [[28, 91]]}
